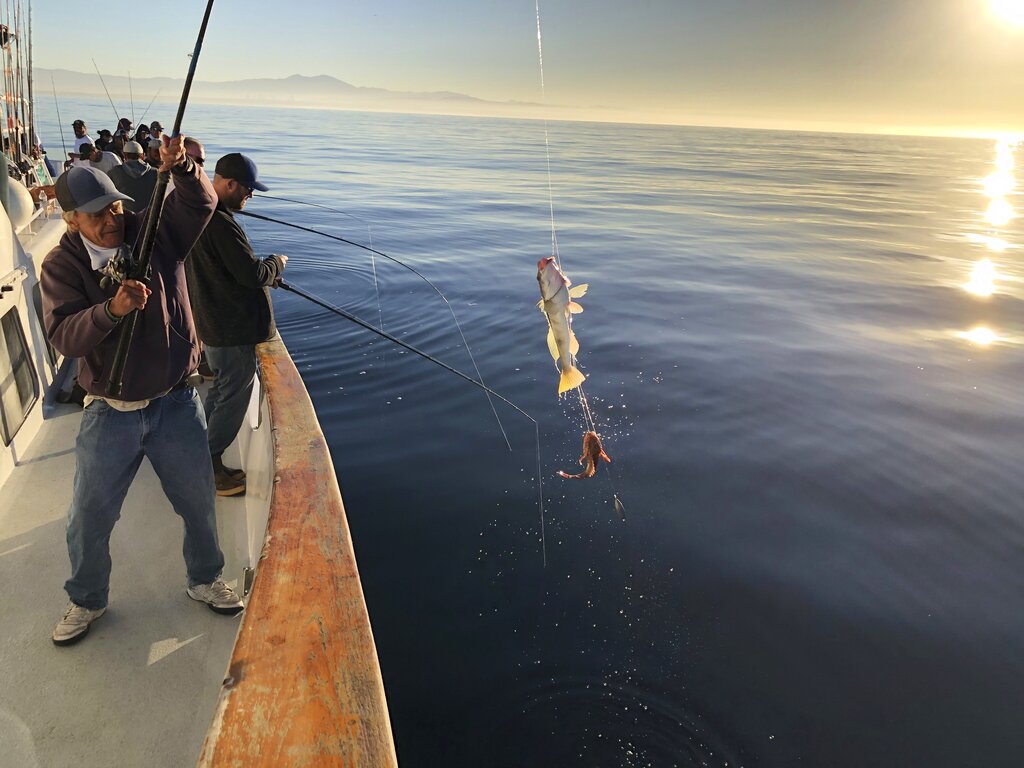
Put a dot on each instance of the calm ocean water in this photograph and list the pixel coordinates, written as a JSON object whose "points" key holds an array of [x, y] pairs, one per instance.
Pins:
{"points": [[815, 425]]}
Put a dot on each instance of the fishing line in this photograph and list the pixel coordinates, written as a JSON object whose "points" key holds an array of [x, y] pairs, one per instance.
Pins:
{"points": [[312, 205], [362, 323], [369, 235], [411, 269], [584, 405], [588, 416]]}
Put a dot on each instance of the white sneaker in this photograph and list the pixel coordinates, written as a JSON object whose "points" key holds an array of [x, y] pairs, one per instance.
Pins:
{"points": [[219, 596], [75, 624]]}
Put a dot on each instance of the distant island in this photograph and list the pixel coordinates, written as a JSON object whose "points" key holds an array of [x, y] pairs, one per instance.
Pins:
{"points": [[320, 91]]}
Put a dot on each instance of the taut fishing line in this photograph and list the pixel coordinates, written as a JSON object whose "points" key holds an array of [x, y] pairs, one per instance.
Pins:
{"points": [[584, 405], [405, 345], [369, 236], [411, 269], [588, 416]]}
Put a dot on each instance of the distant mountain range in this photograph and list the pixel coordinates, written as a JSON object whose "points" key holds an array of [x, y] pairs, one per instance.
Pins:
{"points": [[321, 91]]}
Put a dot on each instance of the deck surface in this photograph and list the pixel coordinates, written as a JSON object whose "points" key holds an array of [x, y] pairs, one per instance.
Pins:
{"points": [[142, 687]]}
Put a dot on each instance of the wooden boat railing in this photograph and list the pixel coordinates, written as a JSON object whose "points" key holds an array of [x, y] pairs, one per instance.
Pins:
{"points": [[303, 686]]}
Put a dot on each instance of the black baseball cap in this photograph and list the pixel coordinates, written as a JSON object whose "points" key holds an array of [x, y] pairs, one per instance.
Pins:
{"points": [[240, 168], [155, 126], [87, 190], [78, 123], [103, 132]]}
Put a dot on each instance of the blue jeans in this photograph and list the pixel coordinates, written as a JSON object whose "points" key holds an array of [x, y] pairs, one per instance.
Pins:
{"points": [[228, 399], [171, 432]]}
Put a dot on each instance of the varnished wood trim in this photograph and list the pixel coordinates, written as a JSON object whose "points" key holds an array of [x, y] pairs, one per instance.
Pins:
{"points": [[304, 686]]}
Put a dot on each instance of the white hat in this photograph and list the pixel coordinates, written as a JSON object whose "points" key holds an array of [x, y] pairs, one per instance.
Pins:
{"points": [[132, 148]]}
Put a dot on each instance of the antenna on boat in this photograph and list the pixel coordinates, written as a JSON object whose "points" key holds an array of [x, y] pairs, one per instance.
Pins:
{"points": [[363, 324], [117, 117], [411, 269], [140, 270]]}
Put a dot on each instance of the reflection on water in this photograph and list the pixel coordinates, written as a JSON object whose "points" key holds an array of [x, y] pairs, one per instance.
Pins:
{"points": [[999, 212], [996, 244], [997, 186], [983, 278], [981, 336]]}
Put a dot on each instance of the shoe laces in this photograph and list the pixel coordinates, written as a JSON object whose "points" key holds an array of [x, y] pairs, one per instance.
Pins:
{"points": [[220, 590], [73, 607]]}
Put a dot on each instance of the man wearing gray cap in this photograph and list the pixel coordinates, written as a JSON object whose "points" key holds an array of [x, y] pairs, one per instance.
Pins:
{"points": [[160, 416], [228, 288]]}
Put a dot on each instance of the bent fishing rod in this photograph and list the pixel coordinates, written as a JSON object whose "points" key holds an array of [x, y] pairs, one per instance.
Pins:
{"points": [[362, 323], [405, 345], [401, 264], [140, 266]]}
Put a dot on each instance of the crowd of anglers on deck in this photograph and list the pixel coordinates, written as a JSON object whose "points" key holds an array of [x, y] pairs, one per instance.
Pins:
{"points": [[206, 290]]}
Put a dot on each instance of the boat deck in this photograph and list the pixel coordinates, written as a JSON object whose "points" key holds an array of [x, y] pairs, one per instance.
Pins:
{"points": [[155, 657]]}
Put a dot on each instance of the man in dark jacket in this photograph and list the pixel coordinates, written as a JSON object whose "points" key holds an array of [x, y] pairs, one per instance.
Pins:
{"points": [[229, 290], [160, 415], [134, 178]]}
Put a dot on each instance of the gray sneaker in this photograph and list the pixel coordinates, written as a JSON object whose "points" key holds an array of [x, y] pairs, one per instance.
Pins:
{"points": [[219, 596], [75, 624]]}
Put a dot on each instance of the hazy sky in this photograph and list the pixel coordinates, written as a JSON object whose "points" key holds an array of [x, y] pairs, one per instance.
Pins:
{"points": [[875, 64]]}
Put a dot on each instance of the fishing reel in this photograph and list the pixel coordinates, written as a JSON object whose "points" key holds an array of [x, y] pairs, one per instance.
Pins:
{"points": [[118, 269]]}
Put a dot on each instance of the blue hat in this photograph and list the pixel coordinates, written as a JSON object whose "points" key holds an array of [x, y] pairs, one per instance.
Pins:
{"points": [[240, 168], [87, 190]]}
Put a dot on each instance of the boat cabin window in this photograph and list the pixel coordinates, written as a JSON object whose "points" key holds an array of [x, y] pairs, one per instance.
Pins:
{"points": [[19, 387]]}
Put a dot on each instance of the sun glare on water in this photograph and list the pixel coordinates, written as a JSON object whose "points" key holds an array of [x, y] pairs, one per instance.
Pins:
{"points": [[983, 279], [1011, 11], [981, 336]]}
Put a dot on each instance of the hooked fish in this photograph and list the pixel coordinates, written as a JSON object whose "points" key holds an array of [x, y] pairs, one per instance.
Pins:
{"points": [[592, 451], [557, 304]]}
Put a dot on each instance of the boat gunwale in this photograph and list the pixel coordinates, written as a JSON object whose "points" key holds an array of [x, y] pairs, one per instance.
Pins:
{"points": [[303, 685]]}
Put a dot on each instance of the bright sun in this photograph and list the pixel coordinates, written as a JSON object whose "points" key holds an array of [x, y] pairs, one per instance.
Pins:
{"points": [[1009, 10]]}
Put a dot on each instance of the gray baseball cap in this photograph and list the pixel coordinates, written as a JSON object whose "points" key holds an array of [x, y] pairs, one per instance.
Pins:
{"points": [[87, 190]]}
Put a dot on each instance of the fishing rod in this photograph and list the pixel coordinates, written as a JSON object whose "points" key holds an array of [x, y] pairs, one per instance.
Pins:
{"points": [[411, 269], [373, 260], [131, 96], [117, 116], [149, 105], [363, 324], [140, 270], [33, 139], [59, 121]]}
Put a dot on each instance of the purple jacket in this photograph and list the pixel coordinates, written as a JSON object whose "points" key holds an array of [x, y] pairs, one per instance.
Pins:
{"points": [[164, 347]]}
